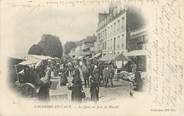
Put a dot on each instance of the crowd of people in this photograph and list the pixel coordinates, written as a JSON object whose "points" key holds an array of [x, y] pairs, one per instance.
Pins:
{"points": [[85, 73], [91, 72]]}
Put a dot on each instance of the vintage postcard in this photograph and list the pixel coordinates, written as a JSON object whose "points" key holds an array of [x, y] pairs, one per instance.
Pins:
{"points": [[92, 57]]}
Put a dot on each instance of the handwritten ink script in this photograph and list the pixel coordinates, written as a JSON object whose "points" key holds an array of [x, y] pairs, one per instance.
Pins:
{"points": [[167, 58]]}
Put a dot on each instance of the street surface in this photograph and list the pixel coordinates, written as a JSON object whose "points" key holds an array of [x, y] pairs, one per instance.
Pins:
{"points": [[121, 89]]}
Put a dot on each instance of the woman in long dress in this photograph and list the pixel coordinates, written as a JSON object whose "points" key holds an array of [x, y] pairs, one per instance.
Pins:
{"points": [[94, 89], [94, 84], [63, 74], [76, 86], [138, 81], [85, 74]]}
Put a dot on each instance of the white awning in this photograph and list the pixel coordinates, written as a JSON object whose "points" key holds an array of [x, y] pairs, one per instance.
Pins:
{"points": [[136, 53], [30, 62], [41, 57], [34, 59]]}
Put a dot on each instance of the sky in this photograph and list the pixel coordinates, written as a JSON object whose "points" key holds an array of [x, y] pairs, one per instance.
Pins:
{"points": [[68, 23]]}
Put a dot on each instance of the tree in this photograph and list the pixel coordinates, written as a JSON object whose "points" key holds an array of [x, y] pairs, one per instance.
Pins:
{"points": [[69, 46], [36, 50], [49, 45]]}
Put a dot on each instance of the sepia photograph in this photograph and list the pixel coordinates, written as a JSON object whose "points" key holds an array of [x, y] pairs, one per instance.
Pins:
{"points": [[120, 56], [105, 61]]}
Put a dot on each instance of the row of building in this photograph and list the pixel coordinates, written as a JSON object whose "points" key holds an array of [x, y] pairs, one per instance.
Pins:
{"points": [[120, 30], [84, 48]]}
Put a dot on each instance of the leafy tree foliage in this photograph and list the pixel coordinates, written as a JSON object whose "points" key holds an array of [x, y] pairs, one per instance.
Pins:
{"points": [[50, 45], [36, 50], [69, 46]]}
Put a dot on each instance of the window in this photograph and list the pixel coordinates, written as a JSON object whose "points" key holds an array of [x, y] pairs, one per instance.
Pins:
{"points": [[111, 29], [122, 24], [118, 46], [122, 27], [118, 26], [99, 36], [123, 37], [122, 45]]}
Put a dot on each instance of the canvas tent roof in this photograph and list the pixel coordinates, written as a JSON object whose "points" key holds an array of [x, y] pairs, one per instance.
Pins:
{"points": [[34, 59], [14, 60], [29, 62], [16, 57], [136, 53], [41, 57]]}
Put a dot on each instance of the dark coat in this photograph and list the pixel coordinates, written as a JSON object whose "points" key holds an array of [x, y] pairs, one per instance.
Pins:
{"points": [[96, 75], [64, 74], [94, 89], [90, 68], [111, 73], [101, 67], [138, 81], [85, 72], [45, 85], [77, 86], [106, 73], [44, 92]]}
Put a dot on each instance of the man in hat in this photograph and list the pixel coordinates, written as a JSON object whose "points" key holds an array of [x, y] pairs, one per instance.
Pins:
{"points": [[138, 81], [85, 73], [94, 89], [76, 85]]}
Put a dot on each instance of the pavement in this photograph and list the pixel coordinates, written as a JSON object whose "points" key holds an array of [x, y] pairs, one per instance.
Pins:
{"points": [[121, 88]]}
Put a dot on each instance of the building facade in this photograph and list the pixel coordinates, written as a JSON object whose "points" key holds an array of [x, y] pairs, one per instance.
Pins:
{"points": [[114, 27], [136, 47], [122, 31], [111, 31], [85, 48], [137, 40]]}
